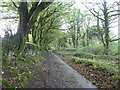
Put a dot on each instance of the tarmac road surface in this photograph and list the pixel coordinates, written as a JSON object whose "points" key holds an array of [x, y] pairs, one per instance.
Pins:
{"points": [[54, 73]]}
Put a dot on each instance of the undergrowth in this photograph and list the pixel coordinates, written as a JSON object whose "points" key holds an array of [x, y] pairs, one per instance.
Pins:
{"points": [[107, 65], [17, 71]]}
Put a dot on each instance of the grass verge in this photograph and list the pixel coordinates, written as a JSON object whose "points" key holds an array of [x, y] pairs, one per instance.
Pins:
{"points": [[109, 67]]}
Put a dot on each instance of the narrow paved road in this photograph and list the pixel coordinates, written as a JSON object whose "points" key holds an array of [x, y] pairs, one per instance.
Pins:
{"points": [[54, 73]]}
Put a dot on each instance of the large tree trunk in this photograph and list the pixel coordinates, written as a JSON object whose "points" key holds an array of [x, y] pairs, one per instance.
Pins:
{"points": [[24, 21], [106, 29], [22, 28]]}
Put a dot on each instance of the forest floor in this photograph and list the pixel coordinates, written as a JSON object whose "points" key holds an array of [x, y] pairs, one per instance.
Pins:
{"points": [[96, 77], [55, 73]]}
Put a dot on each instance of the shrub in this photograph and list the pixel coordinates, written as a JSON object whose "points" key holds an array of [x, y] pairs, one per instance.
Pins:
{"points": [[93, 49], [8, 84], [70, 49], [84, 55], [113, 48]]}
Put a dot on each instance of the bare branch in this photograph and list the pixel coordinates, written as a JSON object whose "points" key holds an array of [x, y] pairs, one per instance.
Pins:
{"points": [[100, 7], [113, 22], [117, 2], [14, 4], [114, 15], [14, 17], [113, 19], [115, 40], [113, 37], [93, 13], [113, 11]]}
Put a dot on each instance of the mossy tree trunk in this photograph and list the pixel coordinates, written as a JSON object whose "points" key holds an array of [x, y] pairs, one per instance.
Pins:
{"points": [[22, 28], [106, 28], [26, 21]]}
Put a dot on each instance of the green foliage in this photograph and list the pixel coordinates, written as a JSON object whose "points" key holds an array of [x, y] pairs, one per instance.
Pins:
{"points": [[70, 49], [20, 71], [117, 77], [84, 55], [8, 43], [89, 55], [95, 62], [8, 84], [46, 33], [113, 50], [46, 28], [94, 48], [30, 38], [32, 46], [97, 49]]}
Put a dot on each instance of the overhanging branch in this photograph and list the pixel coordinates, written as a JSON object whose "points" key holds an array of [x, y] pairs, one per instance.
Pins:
{"points": [[14, 17], [14, 4], [35, 4]]}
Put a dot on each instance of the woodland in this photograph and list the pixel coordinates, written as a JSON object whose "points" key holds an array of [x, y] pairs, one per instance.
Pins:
{"points": [[83, 37]]}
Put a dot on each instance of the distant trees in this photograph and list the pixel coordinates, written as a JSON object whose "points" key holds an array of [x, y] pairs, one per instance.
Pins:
{"points": [[74, 20], [43, 20], [80, 27], [48, 23], [106, 15]]}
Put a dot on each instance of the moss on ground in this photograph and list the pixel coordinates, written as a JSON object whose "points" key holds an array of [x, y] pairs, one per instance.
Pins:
{"points": [[109, 67], [17, 71]]}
